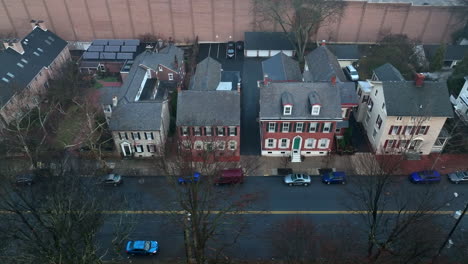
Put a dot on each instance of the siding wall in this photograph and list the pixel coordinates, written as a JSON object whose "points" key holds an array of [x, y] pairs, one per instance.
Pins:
{"points": [[214, 20]]}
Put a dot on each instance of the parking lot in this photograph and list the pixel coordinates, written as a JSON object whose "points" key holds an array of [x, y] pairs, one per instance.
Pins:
{"points": [[218, 52]]}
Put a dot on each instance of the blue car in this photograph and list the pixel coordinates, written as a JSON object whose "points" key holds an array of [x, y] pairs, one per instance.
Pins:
{"points": [[429, 176], [189, 179], [334, 177], [140, 247]]}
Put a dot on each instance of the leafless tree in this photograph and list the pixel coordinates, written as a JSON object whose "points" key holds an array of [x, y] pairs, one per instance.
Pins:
{"points": [[208, 214], [299, 19]]}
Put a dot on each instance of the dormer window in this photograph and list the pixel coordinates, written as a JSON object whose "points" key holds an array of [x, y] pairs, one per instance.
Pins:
{"points": [[315, 109], [287, 110]]}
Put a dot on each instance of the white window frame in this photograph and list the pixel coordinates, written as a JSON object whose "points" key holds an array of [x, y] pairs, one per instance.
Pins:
{"points": [[136, 136], [151, 148], [271, 127], [208, 131], [232, 131], [408, 130], [270, 143], [326, 127], [160, 68], [287, 110], [170, 76], [323, 140], [220, 131], [187, 144], [286, 125], [149, 136], [123, 135], [283, 143], [390, 143], [221, 145], [185, 131], [232, 144], [421, 131], [139, 148], [310, 143], [395, 130], [315, 110], [198, 145], [313, 127], [197, 131], [209, 146], [299, 127]]}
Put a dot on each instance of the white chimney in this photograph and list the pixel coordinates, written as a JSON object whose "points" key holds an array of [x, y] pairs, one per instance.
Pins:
{"points": [[114, 101], [38, 23], [14, 44]]}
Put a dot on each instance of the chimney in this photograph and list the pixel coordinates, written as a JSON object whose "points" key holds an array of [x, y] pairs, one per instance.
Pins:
{"points": [[160, 43], [14, 44], [114, 101], [324, 42], [333, 80], [149, 48], [176, 63], [38, 23], [238, 87], [265, 79], [419, 80]]}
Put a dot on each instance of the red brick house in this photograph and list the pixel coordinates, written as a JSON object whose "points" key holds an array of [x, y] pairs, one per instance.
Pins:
{"points": [[208, 114]]}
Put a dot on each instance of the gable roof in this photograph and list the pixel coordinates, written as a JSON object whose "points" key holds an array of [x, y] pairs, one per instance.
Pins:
{"points": [[166, 57], [271, 100], [322, 66], [348, 93], [44, 43], [452, 52], [345, 51], [204, 108], [207, 75], [388, 72], [267, 41], [405, 99], [281, 68]]}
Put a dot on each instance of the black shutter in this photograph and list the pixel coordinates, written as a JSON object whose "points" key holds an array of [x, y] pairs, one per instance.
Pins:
{"points": [[126, 136], [204, 131], [266, 127], [120, 135], [282, 125], [331, 127], [235, 131], [133, 137], [276, 127], [292, 127]]}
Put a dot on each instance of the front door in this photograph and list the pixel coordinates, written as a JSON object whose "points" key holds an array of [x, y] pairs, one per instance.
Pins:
{"points": [[296, 145], [126, 150]]}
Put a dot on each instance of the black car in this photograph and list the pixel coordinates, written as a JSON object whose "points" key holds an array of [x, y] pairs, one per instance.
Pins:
{"points": [[25, 179], [231, 49], [240, 45]]}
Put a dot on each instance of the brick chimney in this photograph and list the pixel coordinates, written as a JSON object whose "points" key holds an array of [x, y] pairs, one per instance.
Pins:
{"points": [[333, 80], [14, 44], [266, 80], [323, 43], [38, 23], [419, 80], [115, 101]]}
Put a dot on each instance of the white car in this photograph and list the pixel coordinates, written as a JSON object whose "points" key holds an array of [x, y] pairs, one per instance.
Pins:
{"points": [[351, 73]]}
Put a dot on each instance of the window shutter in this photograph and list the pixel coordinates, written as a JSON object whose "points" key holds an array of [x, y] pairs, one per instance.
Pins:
{"points": [[224, 131], [399, 130], [417, 130], [181, 131], [427, 129], [235, 131], [133, 137], [281, 127], [398, 145], [120, 136], [266, 127], [390, 131], [331, 127], [385, 144], [320, 126], [276, 127], [204, 131], [394, 143], [292, 127], [193, 131], [412, 131]]}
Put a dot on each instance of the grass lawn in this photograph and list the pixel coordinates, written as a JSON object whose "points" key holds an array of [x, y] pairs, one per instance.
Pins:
{"points": [[108, 79], [69, 127], [97, 85]]}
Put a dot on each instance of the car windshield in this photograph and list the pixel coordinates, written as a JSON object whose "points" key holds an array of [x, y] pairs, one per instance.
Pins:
{"points": [[147, 245], [230, 50], [353, 72]]}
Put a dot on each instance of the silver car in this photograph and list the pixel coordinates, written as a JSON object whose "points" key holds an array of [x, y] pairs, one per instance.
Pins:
{"points": [[112, 179], [458, 176], [297, 179]]}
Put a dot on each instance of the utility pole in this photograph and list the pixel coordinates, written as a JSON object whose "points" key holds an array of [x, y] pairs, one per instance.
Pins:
{"points": [[450, 233]]}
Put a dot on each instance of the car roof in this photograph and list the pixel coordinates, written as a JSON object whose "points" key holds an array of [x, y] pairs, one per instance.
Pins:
{"points": [[139, 244]]}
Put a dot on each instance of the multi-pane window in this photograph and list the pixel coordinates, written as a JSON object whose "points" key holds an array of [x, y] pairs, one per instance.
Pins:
{"points": [[370, 104], [299, 127], [221, 145], [271, 127], [232, 144], [270, 143], [196, 131], [187, 144], [403, 143], [136, 135], [285, 128], [390, 143], [184, 131], [310, 143], [287, 110], [208, 146], [284, 142], [316, 110], [220, 131], [170, 76], [423, 130], [395, 130], [323, 143], [378, 121], [151, 148], [198, 145], [208, 131], [149, 136], [139, 148], [326, 127], [409, 130], [232, 131], [123, 135], [313, 127]]}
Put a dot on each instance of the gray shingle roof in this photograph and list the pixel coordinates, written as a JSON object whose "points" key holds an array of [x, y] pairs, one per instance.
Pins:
{"points": [[282, 68], [134, 115], [388, 72], [166, 57], [36, 42], [452, 52], [203, 108], [405, 99], [322, 66], [345, 51], [267, 41], [207, 76], [348, 93], [271, 107]]}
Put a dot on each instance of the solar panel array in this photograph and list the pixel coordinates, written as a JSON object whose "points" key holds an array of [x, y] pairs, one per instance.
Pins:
{"points": [[112, 49]]}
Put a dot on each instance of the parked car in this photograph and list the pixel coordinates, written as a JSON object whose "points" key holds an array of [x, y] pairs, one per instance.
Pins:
{"points": [[230, 176], [25, 179], [189, 179], [428, 176], [240, 45], [142, 247], [351, 73], [231, 49], [458, 176], [333, 177], [112, 179], [297, 179]]}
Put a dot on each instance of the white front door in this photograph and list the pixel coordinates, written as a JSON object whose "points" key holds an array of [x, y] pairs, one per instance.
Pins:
{"points": [[126, 149]]}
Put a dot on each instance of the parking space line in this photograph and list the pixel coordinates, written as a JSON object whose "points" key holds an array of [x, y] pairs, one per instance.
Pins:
{"points": [[217, 55], [209, 50]]}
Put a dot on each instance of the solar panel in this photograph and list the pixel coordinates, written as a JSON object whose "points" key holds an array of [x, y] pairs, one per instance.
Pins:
{"points": [[90, 55], [112, 48], [132, 42], [115, 42], [101, 42], [128, 48], [95, 48], [107, 55], [124, 56]]}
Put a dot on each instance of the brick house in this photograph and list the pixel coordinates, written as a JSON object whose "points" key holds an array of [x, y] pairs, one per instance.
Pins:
{"points": [[404, 116], [25, 68], [208, 114], [138, 111]]}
